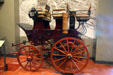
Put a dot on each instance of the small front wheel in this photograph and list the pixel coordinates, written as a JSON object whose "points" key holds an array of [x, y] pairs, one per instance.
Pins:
{"points": [[29, 58]]}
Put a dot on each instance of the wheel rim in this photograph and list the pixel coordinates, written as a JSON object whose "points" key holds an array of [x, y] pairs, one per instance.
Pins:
{"points": [[69, 55], [29, 58]]}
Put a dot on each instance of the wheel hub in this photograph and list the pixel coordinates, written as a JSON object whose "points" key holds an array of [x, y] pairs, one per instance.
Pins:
{"points": [[69, 56], [29, 59]]}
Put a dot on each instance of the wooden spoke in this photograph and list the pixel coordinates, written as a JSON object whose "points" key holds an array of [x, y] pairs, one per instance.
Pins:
{"points": [[26, 64], [58, 55], [35, 64], [83, 57], [62, 63], [76, 65], [76, 48], [63, 46], [59, 59], [71, 66], [59, 50], [23, 61], [77, 61], [68, 44], [80, 57], [30, 66], [72, 46], [80, 52], [36, 54], [37, 58]]}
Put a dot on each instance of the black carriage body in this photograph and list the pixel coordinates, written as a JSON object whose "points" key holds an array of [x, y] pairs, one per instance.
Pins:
{"points": [[41, 31]]}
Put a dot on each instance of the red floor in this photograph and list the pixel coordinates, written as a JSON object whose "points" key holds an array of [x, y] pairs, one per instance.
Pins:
{"points": [[91, 69]]}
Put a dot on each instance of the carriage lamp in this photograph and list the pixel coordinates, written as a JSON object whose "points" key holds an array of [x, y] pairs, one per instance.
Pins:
{"points": [[1, 2], [32, 13]]}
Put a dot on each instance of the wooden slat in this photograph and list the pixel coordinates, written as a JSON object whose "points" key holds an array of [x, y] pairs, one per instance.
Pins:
{"points": [[41, 16], [82, 16], [57, 15], [58, 9], [41, 13]]}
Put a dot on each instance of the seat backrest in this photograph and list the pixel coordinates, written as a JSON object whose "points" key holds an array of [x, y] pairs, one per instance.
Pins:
{"points": [[41, 24]]}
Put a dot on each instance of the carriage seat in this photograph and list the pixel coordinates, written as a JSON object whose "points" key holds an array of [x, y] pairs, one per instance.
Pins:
{"points": [[44, 15], [58, 13]]}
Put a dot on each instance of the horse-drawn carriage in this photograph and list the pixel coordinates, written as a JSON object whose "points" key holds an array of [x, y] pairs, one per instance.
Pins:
{"points": [[63, 45]]}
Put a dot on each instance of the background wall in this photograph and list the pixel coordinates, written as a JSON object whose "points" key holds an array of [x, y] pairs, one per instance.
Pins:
{"points": [[9, 16], [104, 50]]}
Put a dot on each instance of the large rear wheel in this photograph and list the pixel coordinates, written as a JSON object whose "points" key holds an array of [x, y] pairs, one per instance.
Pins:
{"points": [[69, 55]]}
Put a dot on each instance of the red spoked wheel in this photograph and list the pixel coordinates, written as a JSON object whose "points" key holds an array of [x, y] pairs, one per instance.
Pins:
{"points": [[29, 58], [69, 55]]}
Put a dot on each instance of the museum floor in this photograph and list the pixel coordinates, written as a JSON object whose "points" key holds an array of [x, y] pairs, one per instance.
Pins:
{"points": [[91, 69]]}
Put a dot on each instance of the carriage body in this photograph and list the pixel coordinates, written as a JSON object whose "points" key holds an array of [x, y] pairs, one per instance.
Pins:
{"points": [[41, 31]]}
